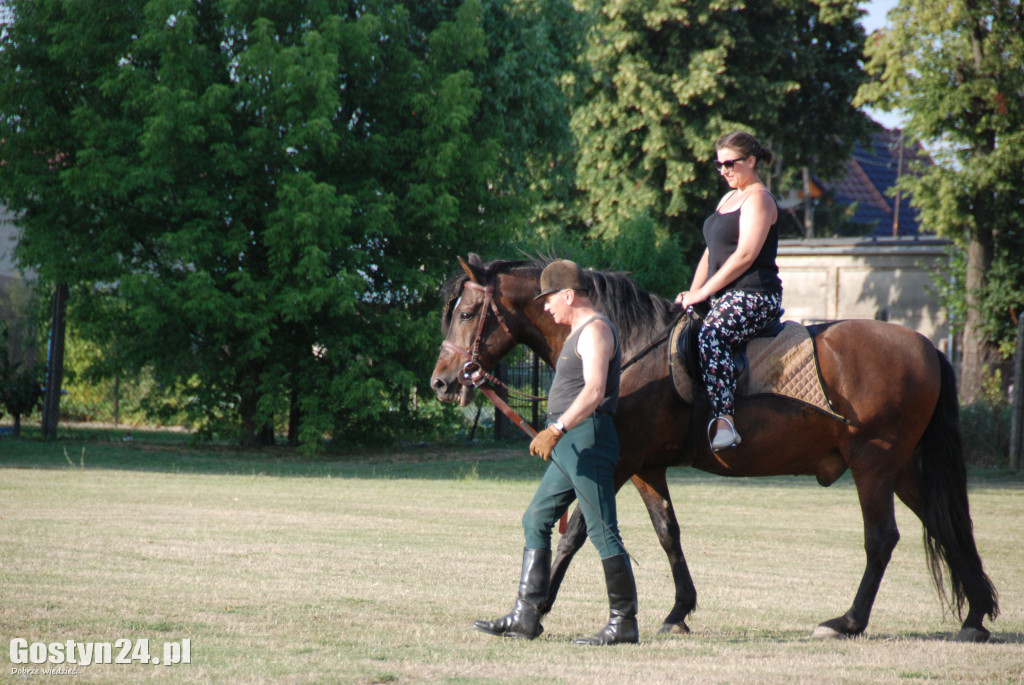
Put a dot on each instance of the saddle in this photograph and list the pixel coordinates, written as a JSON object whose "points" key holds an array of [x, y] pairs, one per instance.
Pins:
{"points": [[779, 360], [687, 347]]}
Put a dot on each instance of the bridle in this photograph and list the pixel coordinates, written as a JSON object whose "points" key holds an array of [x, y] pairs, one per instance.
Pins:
{"points": [[472, 373]]}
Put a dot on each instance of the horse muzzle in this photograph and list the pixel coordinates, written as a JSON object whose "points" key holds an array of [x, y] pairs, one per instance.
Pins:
{"points": [[451, 390]]}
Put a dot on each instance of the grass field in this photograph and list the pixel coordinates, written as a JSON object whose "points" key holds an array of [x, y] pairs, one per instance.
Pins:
{"points": [[371, 568]]}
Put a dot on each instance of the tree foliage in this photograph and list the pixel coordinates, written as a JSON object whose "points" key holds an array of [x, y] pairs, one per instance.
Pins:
{"points": [[666, 79], [255, 201], [253, 198], [957, 72]]}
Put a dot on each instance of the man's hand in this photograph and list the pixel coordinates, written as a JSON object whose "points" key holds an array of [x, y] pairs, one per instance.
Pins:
{"points": [[543, 444]]}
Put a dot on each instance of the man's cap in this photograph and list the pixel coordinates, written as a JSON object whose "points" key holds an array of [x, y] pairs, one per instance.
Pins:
{"points": [[562, 274]]}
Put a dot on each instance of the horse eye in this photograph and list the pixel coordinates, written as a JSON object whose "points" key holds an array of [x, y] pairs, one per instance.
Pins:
{"points": [[466, 316]]}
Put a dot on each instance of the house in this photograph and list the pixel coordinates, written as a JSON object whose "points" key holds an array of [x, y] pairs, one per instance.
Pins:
{"points": [[884, 266], [869, 174], [864, 186], [14, 285]]}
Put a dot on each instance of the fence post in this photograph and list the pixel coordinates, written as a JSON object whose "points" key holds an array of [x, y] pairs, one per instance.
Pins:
{"points": [[500, 421], [1017, 410], [535, 406]]}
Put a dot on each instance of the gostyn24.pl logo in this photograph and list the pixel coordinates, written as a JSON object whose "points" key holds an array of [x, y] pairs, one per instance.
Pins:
{"points": [[30, 656]]}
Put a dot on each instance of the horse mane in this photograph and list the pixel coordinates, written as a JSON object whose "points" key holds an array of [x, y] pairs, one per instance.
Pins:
{"points": [[635, 312]]}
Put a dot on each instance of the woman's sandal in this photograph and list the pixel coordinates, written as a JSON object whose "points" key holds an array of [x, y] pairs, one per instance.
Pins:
{"points": [[725, 437]]}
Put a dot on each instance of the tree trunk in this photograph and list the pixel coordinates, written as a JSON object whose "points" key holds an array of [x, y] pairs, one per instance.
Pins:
{"points": [[294, 415], [1017, 411], [979, 353], [254, 434], [808, 204], [55, 363]]}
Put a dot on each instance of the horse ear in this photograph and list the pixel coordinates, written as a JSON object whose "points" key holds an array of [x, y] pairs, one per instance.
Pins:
{"points": [[474, 268]]}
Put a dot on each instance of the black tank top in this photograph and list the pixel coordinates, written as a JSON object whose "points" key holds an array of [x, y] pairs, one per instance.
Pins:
{"points": [[722, 234], [568, 381]]}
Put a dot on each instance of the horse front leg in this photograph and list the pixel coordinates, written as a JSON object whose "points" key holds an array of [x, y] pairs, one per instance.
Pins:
{"points": [[877, 504], [653, 490], [570, 543]]}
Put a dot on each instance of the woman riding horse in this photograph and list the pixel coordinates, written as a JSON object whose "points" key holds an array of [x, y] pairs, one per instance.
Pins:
{"points": [[897, 391]]}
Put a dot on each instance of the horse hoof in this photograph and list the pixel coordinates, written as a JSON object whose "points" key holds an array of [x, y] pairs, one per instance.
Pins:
{"points": [[823, 632], [836, 628], [973, 635], [674, 629]]}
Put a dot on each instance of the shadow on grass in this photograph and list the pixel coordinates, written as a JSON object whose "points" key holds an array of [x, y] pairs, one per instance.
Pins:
{"points": [[143, 451], [179, 452], [996, 639], [790, 636]]}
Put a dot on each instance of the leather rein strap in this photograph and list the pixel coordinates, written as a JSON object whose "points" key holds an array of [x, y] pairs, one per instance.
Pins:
{"points": [[473, 375], [472, 355]]}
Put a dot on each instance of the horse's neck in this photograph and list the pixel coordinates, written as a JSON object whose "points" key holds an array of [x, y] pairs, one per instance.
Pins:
{"points": [[545, 337]]}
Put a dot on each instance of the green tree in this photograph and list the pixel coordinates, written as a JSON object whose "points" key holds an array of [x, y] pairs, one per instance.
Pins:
{"points": [[666, 79], [22, 372], [253, 198], [956, 70]]}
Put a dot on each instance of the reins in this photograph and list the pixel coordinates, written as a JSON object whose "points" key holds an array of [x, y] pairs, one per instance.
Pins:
{"points": [[658, 339], [473, 353], [472, 376], [489, 305]]}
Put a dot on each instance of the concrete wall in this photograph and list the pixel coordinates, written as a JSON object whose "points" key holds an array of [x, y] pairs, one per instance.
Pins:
{"points": [[848, 278], [8, 239]]}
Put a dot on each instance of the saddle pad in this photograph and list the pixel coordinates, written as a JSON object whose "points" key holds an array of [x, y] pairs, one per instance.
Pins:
{"points": [[785, 365]]}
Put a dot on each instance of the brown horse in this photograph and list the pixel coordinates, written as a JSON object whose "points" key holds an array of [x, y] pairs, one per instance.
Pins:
{"points": [[895, 389]]}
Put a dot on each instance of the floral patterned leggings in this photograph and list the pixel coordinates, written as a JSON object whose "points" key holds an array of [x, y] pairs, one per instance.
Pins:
{"points": [[734, 318]]}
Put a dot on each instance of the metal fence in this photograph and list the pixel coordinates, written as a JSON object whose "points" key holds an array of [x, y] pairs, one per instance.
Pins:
{"points": [[526, 373]]}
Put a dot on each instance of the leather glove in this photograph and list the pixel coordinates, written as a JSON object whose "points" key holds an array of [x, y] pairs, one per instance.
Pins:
{"points": [[543, 444]]}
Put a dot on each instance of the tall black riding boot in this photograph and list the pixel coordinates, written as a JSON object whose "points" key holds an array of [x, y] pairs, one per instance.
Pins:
{"points": [[622, 626], [524, 619]]}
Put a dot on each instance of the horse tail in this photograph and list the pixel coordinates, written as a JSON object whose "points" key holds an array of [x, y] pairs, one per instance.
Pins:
{"points": [[945, 513]]}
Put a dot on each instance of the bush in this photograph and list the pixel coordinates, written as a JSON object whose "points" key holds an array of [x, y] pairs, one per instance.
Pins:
{"points": [[986, 433], [21, 371], [93, 392]]}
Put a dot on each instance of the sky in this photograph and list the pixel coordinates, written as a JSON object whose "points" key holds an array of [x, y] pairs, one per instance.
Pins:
{"points": [[876, 9], [875, 19]]}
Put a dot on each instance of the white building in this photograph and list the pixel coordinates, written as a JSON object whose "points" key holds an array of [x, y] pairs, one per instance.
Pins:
{"points": [[8, 241], [866, 278]]}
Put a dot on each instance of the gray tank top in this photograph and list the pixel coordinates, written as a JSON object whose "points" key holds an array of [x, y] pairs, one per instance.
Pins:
{"points": [[568, 381]]}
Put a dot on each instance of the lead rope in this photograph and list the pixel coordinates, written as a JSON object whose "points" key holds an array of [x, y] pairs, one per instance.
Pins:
{"points": [[470, 377]]}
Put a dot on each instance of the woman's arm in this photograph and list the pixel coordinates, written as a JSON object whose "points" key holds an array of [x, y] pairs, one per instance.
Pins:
{"points": [[757, 215], [699, 276]]}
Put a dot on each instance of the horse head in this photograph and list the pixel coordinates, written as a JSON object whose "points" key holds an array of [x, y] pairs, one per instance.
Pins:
{"points": [[489, 310]]}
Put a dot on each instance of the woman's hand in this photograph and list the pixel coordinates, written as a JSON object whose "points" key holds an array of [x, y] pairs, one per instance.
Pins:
{"points": [[691, 297]]}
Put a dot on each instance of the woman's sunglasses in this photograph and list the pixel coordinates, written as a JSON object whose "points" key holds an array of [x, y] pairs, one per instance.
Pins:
{"points": [[728, 163]]}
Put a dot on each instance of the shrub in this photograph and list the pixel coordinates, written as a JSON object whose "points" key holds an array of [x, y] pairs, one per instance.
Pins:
{"points": [[986, 433]]}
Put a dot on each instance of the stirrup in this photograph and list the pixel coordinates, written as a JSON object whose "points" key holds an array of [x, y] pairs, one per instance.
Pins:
{"points": [[723, 440]]}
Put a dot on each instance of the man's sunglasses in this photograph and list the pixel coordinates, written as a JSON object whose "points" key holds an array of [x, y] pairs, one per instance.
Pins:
{"points": [[729, 162]]}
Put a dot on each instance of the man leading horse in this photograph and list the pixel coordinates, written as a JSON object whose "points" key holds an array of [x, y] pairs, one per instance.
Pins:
{"points": [[583, 447]]}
